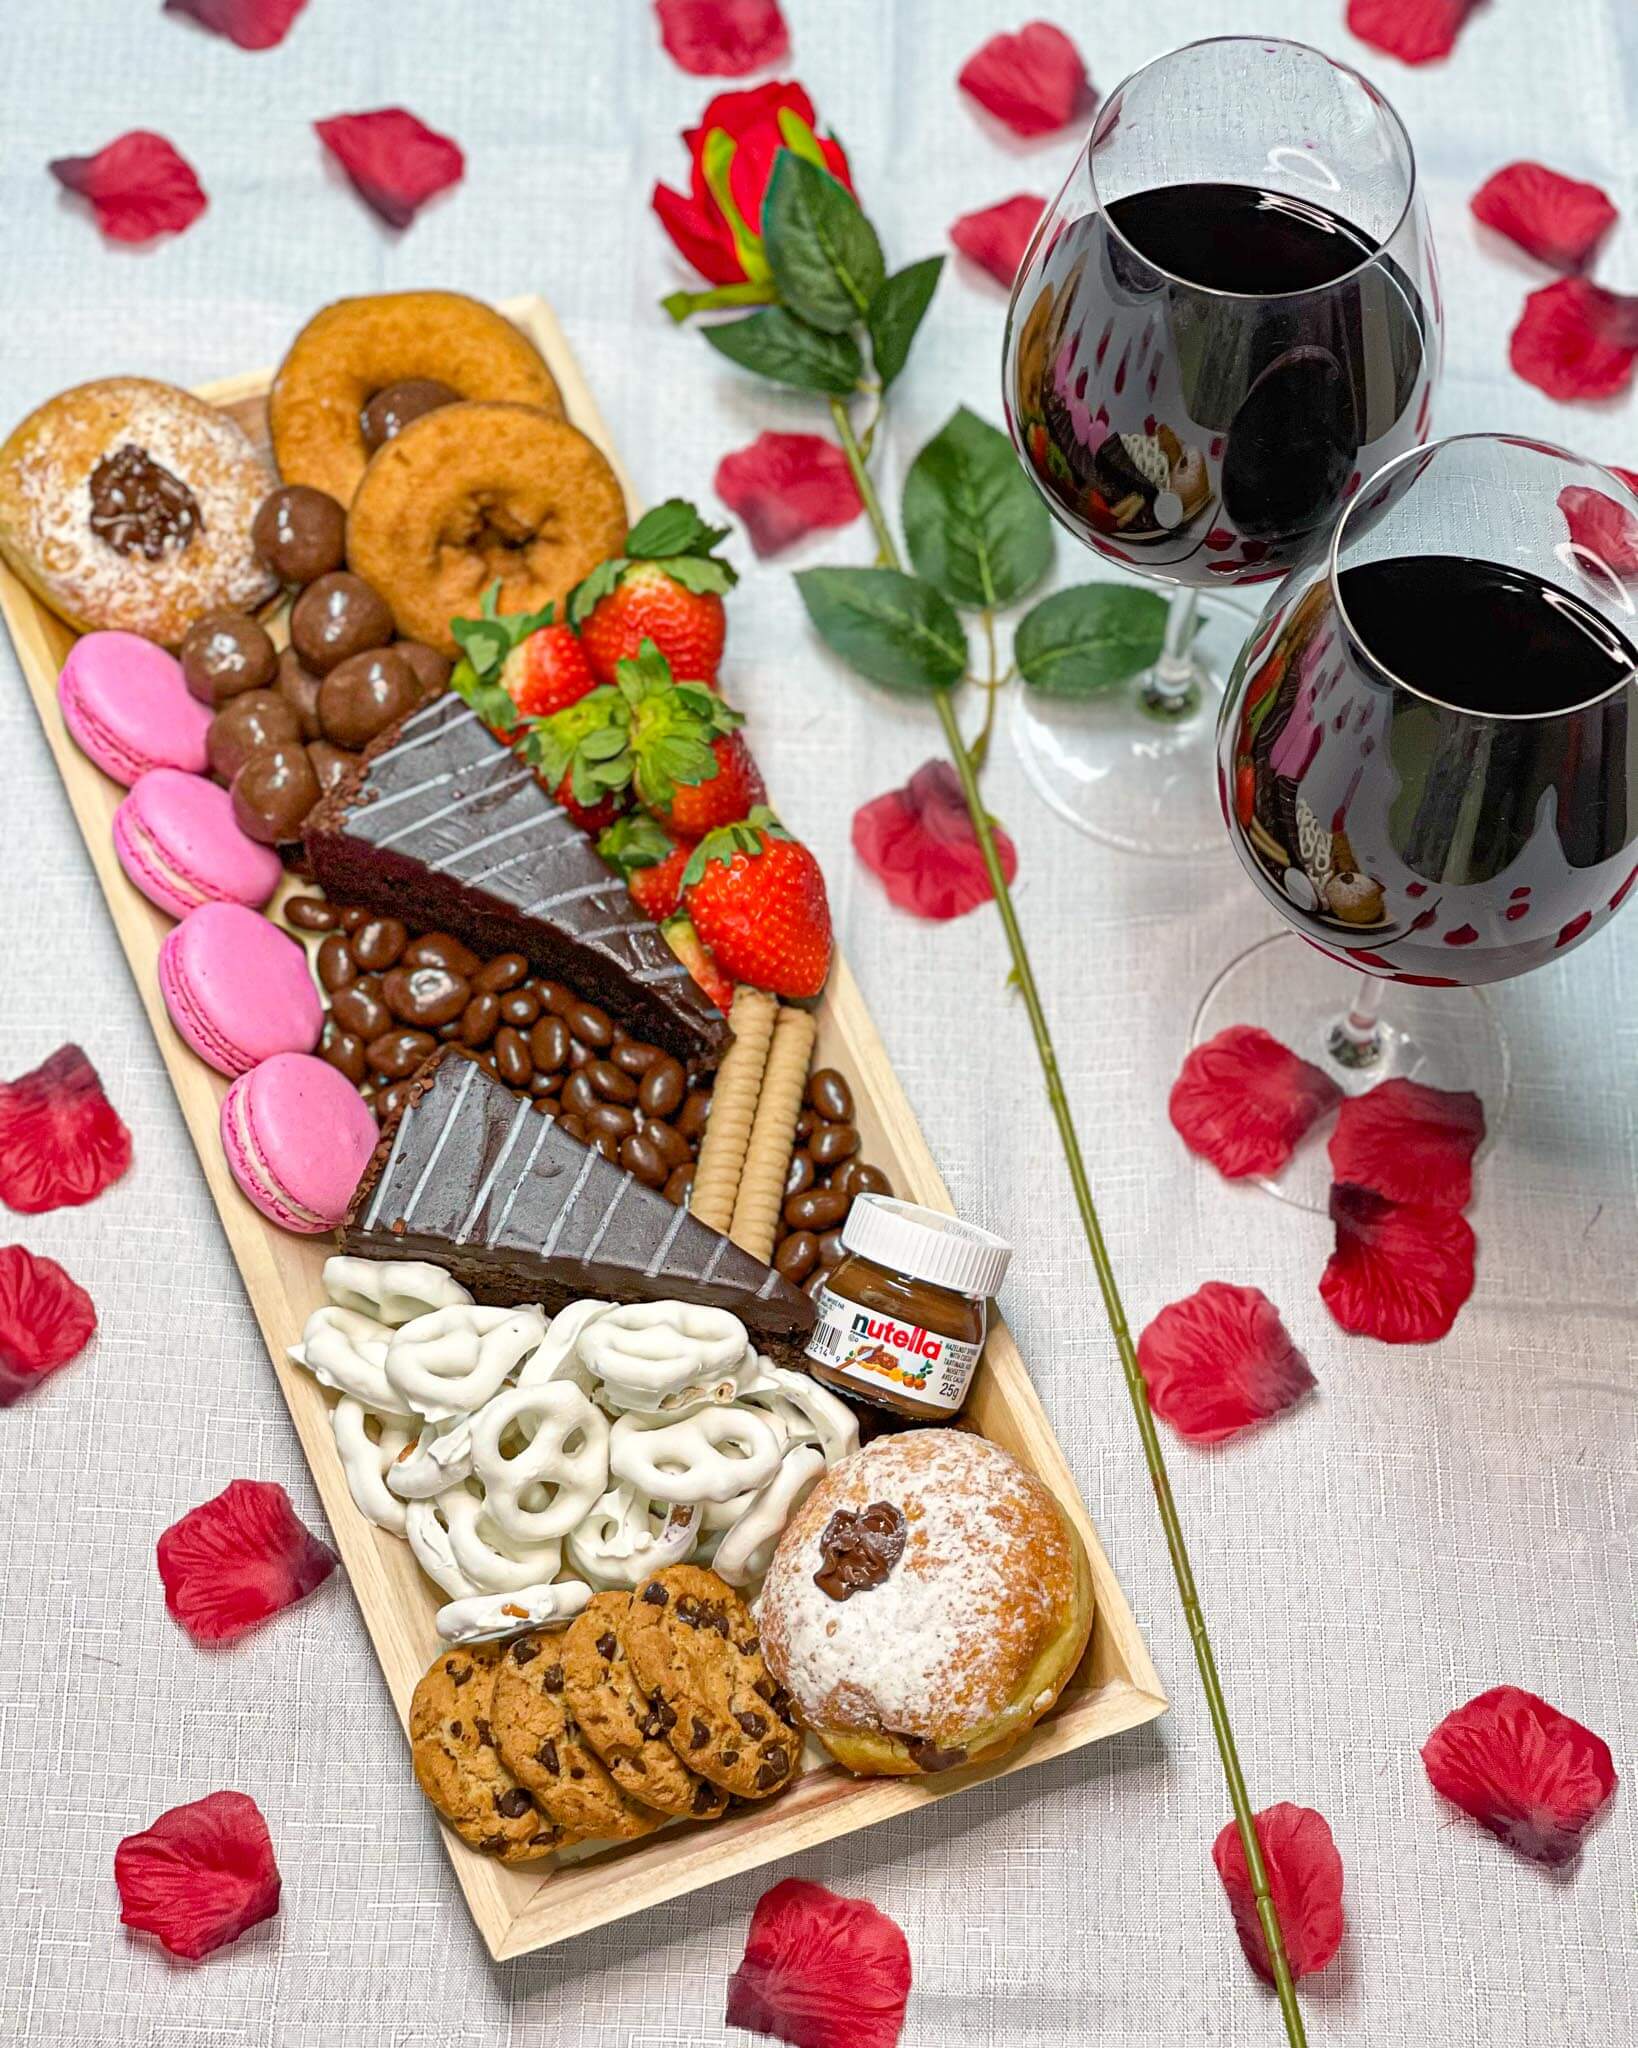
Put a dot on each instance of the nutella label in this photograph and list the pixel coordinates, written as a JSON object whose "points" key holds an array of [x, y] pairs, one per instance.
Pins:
{"points": [[883, 1355]]}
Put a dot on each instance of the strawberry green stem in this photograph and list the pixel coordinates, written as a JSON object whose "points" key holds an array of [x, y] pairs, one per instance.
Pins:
{"points": [[1108, 1287]]}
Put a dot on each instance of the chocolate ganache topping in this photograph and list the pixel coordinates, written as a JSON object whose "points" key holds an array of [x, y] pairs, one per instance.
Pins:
{"points": [[138, 508], [860, 1550]]}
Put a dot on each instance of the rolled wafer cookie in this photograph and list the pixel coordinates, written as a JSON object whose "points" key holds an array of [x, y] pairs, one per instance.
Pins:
{"points": [[733, 1108], [768, 1156]]}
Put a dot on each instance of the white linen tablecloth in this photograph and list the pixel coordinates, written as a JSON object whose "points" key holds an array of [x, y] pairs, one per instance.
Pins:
{"points": [[1435, 1522]]}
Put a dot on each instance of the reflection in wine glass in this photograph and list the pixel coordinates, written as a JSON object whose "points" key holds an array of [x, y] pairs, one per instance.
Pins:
{"points": [[1428, 762], [1228, 316]]}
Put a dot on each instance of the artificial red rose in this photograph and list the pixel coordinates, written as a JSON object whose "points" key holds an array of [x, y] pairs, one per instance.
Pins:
{"points": [[1034, 82], [201, 1876], [723, 38], [919, 843], [1399, 1272], [786, 485], [46, 1319], [717, 225], [61, 1139], [1533, 1777], [233, 1561], [252, 24], [393, 160], [1244, 1102], [1414, 31], [1220, 1360], [139, 186], [996, 237], [1304, 1882], [821, 1971], [1558, 220], [1576, 340], [1603, 533]]}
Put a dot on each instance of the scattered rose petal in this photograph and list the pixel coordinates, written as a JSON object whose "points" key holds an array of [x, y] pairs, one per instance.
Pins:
{"points": [[139, 186], [1244, 1101], [1220, 1360], [233, 1561], [786, 485], [1535, 1778], [1034, 82], [821, 1971], [1304, 1881], [723, 38], [61, 1140], [1414, 31], [920, 844], [45, 1320], [1601, 529], [395, 162], [1409, 1143], [1575, 340], [252, 24], [201, 1876], [1399, 1273], [1557, 220], [997, 237], [1628, 476]]}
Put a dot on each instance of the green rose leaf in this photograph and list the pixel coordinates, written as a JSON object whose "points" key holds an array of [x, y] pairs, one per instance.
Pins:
{"points": [[777, 345], [1080, 641], [826, 261], [897, 311], [974, 523], [893, 628]]}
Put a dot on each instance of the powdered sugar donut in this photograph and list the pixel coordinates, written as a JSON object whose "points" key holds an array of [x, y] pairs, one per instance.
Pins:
{"points": [[926, 1605]]}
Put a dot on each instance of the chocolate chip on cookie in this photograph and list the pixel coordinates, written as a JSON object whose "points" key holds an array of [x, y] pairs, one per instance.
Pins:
{"points": [[542, 1746], [461, 1771]]}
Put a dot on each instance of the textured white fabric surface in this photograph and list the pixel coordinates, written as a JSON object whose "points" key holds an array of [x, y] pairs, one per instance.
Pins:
{"points": [[1433, 1523]]}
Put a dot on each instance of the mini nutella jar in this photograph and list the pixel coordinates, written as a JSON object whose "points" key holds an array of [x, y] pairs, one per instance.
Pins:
{"points": [[902, 1318]]}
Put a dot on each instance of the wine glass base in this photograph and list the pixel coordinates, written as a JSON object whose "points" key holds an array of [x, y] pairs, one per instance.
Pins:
{"points": [[1128, 776], [1444, 1037]]}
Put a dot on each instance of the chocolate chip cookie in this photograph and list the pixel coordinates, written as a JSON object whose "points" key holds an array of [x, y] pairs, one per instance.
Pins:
{"points": [[542, 1746], [694, 1649], [459, 1768], [625, 1728]]}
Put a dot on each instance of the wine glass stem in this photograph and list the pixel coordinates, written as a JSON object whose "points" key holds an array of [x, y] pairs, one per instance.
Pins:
{"points": [[1172, 687], [1356, 1037]]}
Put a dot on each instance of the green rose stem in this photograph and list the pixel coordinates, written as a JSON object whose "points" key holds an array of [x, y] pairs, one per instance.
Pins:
{"points": [[965, 768]]}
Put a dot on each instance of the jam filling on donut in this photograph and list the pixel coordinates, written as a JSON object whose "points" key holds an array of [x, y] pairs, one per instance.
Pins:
{"points": [[860, 1550], [139, 508]]}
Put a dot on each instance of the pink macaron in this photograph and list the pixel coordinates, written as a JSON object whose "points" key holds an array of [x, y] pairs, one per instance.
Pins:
{"points": [[298, 1136], [177, 840], [124, 701], [237, 988]]}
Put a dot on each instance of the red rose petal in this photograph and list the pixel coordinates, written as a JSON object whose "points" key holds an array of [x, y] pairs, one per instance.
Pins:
{"points": [[1628, 476], [61, 1140], [1602, 531], [1304, 1881], [1035, 81], [1244, 1101], [723, 38], [821, 1971], [786, 485], [920, 844], [252, 24], [1414, 31], [233, 1561], [1575, 340], [1399, 1273], [396, 163], [1556, 219], [139, 186], [996, 237], [1409, 1143], [1535, 1778], [45, 1320], [201, 1876], [1220, 1360]]}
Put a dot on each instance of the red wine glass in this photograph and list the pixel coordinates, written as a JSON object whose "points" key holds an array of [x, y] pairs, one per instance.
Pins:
{"points": [[1428, 762], [1226, 319]]}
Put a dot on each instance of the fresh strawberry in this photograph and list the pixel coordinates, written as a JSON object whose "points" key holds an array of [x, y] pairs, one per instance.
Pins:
{"points": [[488, 645], [640, 848], [732, 792], [594, 817], [547, 672], [666, 587], [685, 942], [757, 900]]}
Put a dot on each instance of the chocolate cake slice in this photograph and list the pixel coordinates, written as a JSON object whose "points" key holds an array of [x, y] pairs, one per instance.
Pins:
{"points": [[483, 1185], [442, 826]]}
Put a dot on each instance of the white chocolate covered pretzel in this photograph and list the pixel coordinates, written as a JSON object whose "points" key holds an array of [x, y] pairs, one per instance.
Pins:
{"points": [[747, 1549], [810, 1413], [391, 1291], [559, 1355], [348, 1351], [463, 1551], [450, 1362], [710, 1455], [667, 1356], [623, 1537], [539, 1490], [439, 1458], [366, 1459], [492, 1617]]}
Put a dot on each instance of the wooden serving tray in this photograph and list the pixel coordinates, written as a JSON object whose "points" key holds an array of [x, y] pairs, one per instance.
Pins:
{"points": [[1115, 1686]]}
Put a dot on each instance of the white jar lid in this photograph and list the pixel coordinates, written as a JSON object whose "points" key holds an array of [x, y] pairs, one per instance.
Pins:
{"points": [[926, 1244]]}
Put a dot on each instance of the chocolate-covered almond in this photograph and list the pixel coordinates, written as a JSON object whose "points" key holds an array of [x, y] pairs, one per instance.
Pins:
{"points": [[273, 793], [299, 688], [425, 996], [335, 618], [244, 726], [300, 533], [224, 654], [395, 1055], [378, 942], [364, 694], [442, 949]]}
